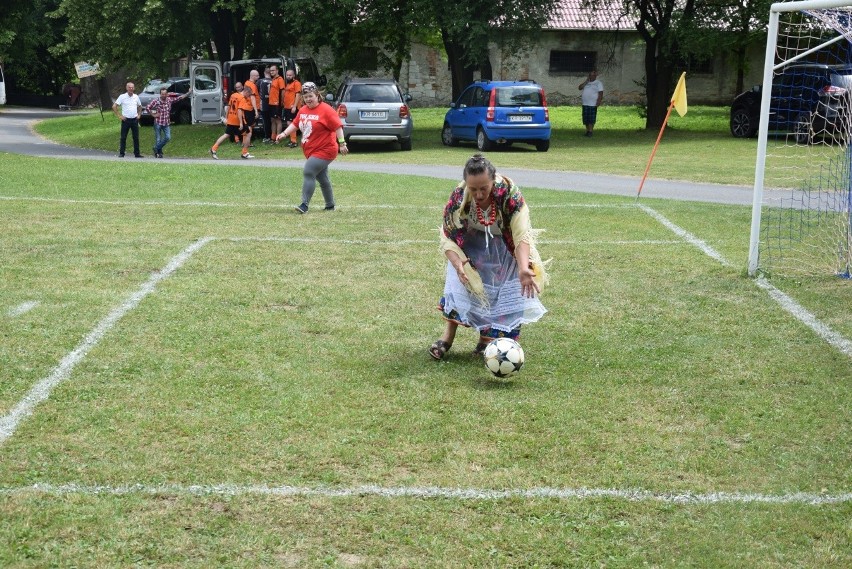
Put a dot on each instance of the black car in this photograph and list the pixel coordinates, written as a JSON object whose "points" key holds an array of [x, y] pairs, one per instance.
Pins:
{"points": [[809, 101], [176, 86]]}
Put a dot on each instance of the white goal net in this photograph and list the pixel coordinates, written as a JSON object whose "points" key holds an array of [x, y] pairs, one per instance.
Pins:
{"points": [[802, 198]]}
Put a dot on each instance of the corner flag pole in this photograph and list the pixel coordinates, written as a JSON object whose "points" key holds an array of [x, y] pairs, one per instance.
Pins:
{"points": [[678, 103]]}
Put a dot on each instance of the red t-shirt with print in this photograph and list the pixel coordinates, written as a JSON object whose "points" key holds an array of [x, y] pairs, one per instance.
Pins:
{"points": [[318, 128]]}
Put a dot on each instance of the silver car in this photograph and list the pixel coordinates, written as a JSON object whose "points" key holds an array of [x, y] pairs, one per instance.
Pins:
{"points": [[374, 110]]}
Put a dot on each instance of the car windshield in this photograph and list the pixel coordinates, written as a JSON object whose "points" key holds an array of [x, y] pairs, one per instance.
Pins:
{"points": [[154, 88], [373, 94], [517, 96]]}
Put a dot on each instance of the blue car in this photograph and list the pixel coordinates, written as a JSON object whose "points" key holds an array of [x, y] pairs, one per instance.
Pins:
{"points": [[499, 112]]}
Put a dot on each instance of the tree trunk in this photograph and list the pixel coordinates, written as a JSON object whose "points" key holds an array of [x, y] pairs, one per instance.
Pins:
{"points": [[462, 75]]}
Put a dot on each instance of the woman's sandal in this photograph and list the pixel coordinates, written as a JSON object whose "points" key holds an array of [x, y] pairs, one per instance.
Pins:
{"points": [[439, 349]]}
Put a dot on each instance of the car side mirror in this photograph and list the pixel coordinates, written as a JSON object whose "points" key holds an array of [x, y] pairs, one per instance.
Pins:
{"points": [[330, 98], [407, 98]]}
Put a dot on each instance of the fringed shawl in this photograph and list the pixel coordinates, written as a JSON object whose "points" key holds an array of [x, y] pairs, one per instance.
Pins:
{"points": [[513, 221]]}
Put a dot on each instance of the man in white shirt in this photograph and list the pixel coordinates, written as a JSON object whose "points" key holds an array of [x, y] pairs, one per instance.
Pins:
{"points": [[128, 108], [592, 96]]}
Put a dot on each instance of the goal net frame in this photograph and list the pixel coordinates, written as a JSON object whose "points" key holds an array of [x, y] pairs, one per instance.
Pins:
{"points": [[771, 66]]}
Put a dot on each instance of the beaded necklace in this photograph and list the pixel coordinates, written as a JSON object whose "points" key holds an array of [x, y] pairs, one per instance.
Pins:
{"points": [[491, 218]]}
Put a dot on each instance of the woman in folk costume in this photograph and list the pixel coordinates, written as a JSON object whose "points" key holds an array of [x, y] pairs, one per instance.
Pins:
{"points": [[494, 271]]}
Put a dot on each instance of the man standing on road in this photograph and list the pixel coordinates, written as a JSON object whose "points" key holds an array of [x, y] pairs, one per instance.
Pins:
{"points": [[131, 108], [592, 96], [161, 110]]}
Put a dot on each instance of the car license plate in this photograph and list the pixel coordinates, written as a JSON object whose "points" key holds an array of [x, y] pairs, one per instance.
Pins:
{"points": [[520, 118], [374, 115]]}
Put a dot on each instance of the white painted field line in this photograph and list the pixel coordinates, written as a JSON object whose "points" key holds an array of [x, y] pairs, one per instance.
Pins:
{"points": [[685, 498], [280, 205], [22, 308], [434, 241], [805, 316], [41, 390], [787, 303]]}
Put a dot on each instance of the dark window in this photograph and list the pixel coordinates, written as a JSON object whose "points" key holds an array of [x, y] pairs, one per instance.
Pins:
{"points": [[367, 59], [695, 66], [467, 97], [580, 62]]}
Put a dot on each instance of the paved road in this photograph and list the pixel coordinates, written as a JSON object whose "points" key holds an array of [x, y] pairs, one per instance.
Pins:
{"points": [[17, 136]]}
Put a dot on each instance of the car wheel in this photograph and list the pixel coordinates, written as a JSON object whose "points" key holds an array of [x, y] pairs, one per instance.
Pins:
{"points": [[803, 131], [405, 144], [184, 116], [743, 125], [542, 145], [447, 136], [482, 141]]}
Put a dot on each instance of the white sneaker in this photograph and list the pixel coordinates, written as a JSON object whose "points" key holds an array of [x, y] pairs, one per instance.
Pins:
{"points": [[246, 156]]}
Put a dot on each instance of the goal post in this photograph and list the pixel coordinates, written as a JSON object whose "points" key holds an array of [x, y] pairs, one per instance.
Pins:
{"points": [[803, 170]]}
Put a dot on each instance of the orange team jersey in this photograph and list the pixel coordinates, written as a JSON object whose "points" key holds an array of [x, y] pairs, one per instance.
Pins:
{"points": [[255, 92], [290, 92], [275, 90], [234, 102], [245, 104]]}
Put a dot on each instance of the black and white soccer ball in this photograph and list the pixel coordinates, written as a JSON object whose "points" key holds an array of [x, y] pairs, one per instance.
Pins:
{"points": [[503, 357]]}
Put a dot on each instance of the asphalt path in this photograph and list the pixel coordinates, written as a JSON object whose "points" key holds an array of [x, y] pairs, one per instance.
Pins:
{"points": [[17, 137]]}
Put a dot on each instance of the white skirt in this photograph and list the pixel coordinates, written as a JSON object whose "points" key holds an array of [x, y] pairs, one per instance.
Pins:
{"points": [[507, 308]]}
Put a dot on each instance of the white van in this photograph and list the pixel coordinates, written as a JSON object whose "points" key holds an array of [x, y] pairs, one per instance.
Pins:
{"points": [[2, 88]]}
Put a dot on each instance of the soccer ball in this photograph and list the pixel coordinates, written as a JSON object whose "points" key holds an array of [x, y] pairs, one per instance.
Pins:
{"points": [[503, 357]]}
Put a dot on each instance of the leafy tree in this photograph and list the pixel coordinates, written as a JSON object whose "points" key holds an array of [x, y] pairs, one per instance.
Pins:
{"points": [[26, 41], [467, 28], [745, 23]]}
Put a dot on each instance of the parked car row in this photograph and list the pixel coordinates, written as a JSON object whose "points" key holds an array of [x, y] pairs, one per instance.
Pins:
{"points": [[488, 113]]}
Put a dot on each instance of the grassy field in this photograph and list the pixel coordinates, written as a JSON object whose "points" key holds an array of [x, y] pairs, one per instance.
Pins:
{"points": [[226, 383], [698, 147]]}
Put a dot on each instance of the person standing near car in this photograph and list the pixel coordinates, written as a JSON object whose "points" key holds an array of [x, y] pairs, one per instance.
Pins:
{"points": [[249, 116], [254, 76], [592, 97], [161, 110], [263, 87], [322, 141], [127, 107], [291, 103], [276, 87]]}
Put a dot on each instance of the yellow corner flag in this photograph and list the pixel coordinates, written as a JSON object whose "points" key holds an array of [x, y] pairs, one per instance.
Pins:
{"points": [[679, 97]]}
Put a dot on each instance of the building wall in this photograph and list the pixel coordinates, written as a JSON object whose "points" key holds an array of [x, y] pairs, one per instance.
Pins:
{"points": [[621, 68]]}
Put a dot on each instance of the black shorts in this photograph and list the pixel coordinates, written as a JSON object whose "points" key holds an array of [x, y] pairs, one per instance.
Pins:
{"points": [[249, 118], [233, 130], [288, 115], [275, 111]]}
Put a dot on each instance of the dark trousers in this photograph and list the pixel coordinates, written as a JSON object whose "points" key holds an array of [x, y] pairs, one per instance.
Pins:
{"points": [[132, 125]]}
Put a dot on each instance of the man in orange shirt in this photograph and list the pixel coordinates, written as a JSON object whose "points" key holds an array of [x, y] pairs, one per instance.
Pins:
{"points": [[249, 116], [254, 76], [275, 89], [292, 102], [235, 124]]}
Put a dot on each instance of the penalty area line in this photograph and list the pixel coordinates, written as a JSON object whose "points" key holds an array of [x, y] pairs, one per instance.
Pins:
{"points": [[799, 312], [435, 492], [41, 390]]}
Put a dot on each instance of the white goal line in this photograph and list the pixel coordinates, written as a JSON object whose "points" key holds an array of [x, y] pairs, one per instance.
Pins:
{"points": [[42, 390], [427, 492], [787, 303]]}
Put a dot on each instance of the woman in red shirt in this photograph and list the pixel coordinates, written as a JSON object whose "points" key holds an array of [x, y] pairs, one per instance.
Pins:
{"points": [[322, 140]]}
